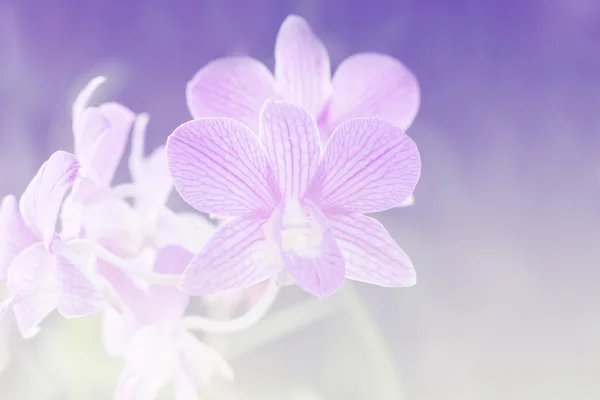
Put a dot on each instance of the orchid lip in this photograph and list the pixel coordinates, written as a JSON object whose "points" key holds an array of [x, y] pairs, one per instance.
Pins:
{"points": [[299, 233]]}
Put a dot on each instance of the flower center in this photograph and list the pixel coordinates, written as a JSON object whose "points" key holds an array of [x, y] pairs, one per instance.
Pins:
{"points": [[300, 233]]}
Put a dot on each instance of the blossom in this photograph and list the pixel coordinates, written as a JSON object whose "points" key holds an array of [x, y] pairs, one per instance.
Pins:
{"points": [[298, 207], [100, 135], [364, 85], [42, 273], [152, 338]]}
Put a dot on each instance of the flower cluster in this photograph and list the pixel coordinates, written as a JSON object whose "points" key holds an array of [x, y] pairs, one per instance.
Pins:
{"points": [[290, 162]]}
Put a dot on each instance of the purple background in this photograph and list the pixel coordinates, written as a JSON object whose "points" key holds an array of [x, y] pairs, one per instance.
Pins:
{"points": [[505, 234]]}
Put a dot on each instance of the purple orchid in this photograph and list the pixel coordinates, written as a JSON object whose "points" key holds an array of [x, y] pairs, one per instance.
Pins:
{"points": [[364, 85], [42, 273], [298, 207], [152, 338]]}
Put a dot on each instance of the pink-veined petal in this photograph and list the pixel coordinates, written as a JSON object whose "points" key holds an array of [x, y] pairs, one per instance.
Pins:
{"points": [[371, 255], [319, 272], [218, 167], [234, 258], [15, 236], [31, 278], [290, 137], [233, 87], [41, 201], [78, 296], [369, 165], [302, 69], [373, 85]]}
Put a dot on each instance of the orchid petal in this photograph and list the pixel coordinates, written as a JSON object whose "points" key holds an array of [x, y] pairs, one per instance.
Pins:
{"points": [[233, 87], [78, 295], [410, 201], [41, 201], [155, 303], [111, 145], [373, 85], [200, 362], [234, 258], [88, 129], [31, 278], [149, 173], [372, 256], [15, 236], [291, 140], [83, 98], [302, 69], [117, 330], [321, 272], [218, 167], [369, 165], [149, 361], [115, 225], [163, 302], [31, 309]]}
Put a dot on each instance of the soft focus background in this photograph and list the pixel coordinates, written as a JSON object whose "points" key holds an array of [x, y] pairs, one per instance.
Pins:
{"points": [[505, 232]]}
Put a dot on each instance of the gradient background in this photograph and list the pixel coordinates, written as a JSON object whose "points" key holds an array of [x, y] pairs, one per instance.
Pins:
{"points": [[504, 233]]}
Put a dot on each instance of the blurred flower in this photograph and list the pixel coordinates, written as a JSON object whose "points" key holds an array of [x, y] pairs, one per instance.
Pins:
{"points": [[100, 135], [151, 337], [364, 85], [298, 209], [42, 272]]}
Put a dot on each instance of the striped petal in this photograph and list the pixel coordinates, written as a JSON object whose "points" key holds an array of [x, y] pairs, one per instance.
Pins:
{"points": [[302, 69], [78, 295], [290, 137], [233, 87], [234, 258], [15, 236], [218, 167], [41, 201], [371, 254], [385, 89], [369, 165]]}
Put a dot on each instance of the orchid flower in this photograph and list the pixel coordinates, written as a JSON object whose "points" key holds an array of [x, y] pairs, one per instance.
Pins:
{"points": [[100, 135], [152, 338], [298, 207], [364, 85], [42, 272]]}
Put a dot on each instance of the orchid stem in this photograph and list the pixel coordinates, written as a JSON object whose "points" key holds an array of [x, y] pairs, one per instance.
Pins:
{"points": [[126, 190], [126, 266], [256, 313], [374, 340], [281, 323]]}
